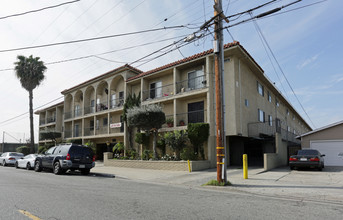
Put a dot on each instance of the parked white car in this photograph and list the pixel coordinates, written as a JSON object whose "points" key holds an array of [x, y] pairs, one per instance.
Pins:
{"points": [[10, 158], [27, 162]]}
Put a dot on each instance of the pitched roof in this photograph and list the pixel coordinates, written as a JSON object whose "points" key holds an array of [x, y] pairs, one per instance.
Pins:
{"points": [[322, 128], [126, 66], [190, 58]]}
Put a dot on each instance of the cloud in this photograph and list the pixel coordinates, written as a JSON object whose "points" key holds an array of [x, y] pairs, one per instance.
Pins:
{"points": [[308, 61]]}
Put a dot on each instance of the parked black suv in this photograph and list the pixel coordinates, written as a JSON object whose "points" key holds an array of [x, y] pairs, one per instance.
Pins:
{"points": [[66, 157]]}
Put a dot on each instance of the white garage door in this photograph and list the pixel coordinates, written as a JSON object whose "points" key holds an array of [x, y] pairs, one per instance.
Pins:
{"points": [[333, 151]]}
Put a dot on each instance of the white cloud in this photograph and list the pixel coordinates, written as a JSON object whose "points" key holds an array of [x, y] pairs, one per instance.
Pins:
{"points": [[308, 62]]}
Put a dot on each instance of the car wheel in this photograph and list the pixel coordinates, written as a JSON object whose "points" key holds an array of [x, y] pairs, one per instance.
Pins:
{"points": [[292, 168], [85, 171], [28, 166], [16, 165], [38, 167], [4, 163], [57, 168], [320, 168]]}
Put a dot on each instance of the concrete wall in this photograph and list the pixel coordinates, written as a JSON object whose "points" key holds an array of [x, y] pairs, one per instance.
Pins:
{"points": [[273, 160], [156, 165]]}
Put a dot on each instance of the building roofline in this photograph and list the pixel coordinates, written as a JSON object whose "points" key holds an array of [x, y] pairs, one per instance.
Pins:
{"points": [[124, 67], [52, 106], [322, 128], [193, 57]]}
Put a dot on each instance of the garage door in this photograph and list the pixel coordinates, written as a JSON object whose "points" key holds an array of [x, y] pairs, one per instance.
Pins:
{"points": [[333, 151]]}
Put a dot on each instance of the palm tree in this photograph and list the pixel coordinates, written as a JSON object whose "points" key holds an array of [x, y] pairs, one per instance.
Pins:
{"points": [[30, 72]]}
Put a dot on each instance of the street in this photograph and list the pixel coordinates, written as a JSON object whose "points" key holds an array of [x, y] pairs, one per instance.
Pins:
{"points": [[73, 196]]}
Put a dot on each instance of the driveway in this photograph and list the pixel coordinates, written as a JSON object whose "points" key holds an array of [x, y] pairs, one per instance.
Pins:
{"points": [[326, 185]]}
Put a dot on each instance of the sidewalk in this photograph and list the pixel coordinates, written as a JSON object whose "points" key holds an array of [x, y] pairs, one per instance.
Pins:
{"points": [[304, 185]]}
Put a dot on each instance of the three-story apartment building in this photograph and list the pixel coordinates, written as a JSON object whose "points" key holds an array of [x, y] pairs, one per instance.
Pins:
{"points": [[259, 121]]}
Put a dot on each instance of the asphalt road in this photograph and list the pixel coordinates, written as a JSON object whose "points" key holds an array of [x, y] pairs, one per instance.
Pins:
{"points": [[30, 195]]}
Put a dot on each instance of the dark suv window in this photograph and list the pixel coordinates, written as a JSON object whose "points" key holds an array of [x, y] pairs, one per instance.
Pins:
{"points": [[78, 150]]}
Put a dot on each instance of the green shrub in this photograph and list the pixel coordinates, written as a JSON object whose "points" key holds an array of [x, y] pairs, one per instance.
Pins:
{"points": [[142, 138], [188, 154], [176, 140], [91, 145], [216, 183], [161, 144], [42, 149], [23, 149], [198, 133], [118, 148], [147, 154], [132, 154]]}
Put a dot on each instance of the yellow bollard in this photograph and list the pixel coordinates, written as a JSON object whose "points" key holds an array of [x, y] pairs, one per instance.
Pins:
{"points": [[245, 166], [189, 166]]}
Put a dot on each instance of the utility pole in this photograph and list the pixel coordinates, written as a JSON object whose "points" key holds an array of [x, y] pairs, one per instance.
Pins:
{"points": [[218, 68], [3, 141]]}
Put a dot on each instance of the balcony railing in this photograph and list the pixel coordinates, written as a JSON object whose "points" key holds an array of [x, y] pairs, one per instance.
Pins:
{"points": [[68, 115], [171, 123], [42, 122], [101, 130], [116, 103], [158, 92], [184, 119], [101, 106], [88, 131], [198, 82], [51, 120], [89, 110], [77, 113], [117, 130], [67, 133], [289, 136], [258, 129]]}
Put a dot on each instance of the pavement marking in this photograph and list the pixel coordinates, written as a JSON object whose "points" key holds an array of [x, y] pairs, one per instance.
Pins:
{"points": [[28, 214]]}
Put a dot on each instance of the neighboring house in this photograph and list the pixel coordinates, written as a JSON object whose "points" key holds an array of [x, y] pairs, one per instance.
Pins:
{"points": [[51, 123], [259, 120], [327, 140]]}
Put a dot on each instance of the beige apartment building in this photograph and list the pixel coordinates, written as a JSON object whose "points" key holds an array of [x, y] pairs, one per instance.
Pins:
{"points": [[259, 121]]}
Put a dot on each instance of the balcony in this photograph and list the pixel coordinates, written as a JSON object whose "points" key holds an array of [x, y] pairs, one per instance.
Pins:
{"points": [[289, 136], [78, 113], [101, 130], [89, 110], [68, 115], [260, 129], [191, 84], [88, 131], [51, 119], [184, 119], [67, 134], [116, 103], [101, 106], [158, 92], [42, 122]]}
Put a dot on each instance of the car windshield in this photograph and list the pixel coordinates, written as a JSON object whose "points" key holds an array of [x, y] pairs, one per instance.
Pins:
{"points": [[16, 154], [307, 152]]}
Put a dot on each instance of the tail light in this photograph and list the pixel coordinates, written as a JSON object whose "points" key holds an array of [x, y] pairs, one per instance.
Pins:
{"points": [[68, 157], [314, 159], [93, 158], [293, 159], [11, 158]]}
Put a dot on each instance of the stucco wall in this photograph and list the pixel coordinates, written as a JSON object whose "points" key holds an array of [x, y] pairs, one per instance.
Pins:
{"points": [[333, 133]]}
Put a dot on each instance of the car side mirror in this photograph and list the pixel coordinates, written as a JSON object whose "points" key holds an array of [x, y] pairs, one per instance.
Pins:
{"points": [[323, 155], [22, 158]]}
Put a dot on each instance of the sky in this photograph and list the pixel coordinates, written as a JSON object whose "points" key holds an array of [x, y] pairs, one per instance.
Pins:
{"points": [[304, 39]]}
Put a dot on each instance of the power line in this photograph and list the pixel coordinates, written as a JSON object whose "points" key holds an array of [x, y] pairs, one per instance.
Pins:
{"points": [[92, 39], [33, 109], [37, 10], [284, 75]]}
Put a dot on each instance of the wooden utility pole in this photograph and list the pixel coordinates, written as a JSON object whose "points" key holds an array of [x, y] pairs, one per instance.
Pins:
{"points": [[218, 68]]}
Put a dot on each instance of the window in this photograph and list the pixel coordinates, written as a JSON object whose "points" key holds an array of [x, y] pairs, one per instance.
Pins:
{"points": [[113, 100], [195, 112], [260, 89], [121, 98], [92, 110], [270, 120], [91, 125], [105, 121], [261, 115], [97, 124], [196, 79], [122, 124], [77, 111], [155, 90], [76, 131], [269, 97], [277, 103], [246, 102], [287, 111]]}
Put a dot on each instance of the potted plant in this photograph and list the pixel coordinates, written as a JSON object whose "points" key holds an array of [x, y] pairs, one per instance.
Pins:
{"points": [[170, 122], [182, 123]]}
